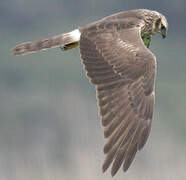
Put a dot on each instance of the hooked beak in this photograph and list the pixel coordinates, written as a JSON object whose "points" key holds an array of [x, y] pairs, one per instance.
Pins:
{"points": [[163, 33]]}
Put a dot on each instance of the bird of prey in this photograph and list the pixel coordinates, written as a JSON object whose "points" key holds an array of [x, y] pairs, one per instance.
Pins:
{"points": [[115, 55]]}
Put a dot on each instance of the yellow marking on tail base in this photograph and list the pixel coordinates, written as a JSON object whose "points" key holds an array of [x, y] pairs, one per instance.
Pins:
{"points": [[70, 46]]}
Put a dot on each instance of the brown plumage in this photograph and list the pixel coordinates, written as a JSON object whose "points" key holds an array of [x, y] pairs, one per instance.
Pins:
{"points": [[125, 100], [116, 58]]}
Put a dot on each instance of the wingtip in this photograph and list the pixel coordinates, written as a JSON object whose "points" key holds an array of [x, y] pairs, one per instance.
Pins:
{"points": [[105, 167], [125, 168], [113, 172]]}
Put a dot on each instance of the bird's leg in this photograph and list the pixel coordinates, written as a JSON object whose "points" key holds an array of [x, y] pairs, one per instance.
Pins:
{"points": [[69, 46]]}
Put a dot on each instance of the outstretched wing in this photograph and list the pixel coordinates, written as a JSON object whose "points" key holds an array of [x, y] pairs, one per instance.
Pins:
{"points": [[123, 70]]}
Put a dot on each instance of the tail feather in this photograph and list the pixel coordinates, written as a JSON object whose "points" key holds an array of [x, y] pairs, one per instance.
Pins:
{"points": [[55, 41]]}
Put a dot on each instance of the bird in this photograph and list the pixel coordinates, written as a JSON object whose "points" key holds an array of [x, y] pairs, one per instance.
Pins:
{"points": [[116, 57]]}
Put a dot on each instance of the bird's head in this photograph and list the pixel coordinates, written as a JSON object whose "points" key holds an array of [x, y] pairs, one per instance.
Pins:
{"points": [[160, 25]]}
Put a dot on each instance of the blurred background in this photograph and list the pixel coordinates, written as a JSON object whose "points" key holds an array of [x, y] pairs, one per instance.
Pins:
{"points": [[49, 124]]}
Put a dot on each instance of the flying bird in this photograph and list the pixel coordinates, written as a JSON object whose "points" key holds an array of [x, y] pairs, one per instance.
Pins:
{"points": [[116, 56]]}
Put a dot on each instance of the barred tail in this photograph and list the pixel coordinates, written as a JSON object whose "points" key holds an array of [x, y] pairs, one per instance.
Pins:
{"points": [[72, 38]]}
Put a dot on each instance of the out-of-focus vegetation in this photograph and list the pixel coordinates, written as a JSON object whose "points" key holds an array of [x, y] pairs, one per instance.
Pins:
{"points": [[49, 124]]}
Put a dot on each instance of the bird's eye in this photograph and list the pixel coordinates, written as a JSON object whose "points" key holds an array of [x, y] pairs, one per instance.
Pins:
{"points": [[163, 31], [163, 27]]}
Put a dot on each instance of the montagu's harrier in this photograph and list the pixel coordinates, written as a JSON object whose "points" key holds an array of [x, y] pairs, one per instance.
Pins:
{"points": [[115, 54]]}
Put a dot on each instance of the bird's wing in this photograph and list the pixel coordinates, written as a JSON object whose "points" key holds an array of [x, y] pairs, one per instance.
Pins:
{"points": [[123, 70]]}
